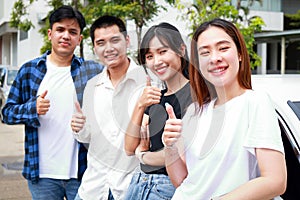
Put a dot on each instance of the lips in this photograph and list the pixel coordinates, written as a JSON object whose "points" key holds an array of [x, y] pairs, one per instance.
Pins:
{"points": [[110, 56], [161, 70], [218, 69], [65, 43]]}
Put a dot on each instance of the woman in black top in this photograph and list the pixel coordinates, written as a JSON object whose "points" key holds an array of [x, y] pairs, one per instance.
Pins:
{"points": [[162, 51]]}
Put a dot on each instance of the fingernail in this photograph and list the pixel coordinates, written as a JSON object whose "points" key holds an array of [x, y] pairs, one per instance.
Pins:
{"points": [[167, 104]]}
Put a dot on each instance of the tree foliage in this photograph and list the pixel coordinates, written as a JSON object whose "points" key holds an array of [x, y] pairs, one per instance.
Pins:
{"points": [[140, 11], [18, 16], [204, 10], [294, 20]]}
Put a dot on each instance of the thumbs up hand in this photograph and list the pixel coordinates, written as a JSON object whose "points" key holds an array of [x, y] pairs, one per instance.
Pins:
{"points": [[42, 104], [78, 119], [151, 95], [173, 127]]}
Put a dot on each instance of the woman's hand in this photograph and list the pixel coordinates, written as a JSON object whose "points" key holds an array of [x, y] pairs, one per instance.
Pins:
{"points": [[172, 131], [151, 95]]}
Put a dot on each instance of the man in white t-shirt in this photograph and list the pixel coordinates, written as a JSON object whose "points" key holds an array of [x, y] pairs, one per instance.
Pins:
{"points": [[42, 98], [107, 104]]}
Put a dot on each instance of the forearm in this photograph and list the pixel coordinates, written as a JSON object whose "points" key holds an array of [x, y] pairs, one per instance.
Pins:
{"points": [[132, 136], [176, 166], [257, 189], [154, 158], [25, 113]]}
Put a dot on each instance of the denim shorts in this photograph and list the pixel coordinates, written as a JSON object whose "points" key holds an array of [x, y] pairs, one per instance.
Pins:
{"points": [[150, 187], [53, 189]]}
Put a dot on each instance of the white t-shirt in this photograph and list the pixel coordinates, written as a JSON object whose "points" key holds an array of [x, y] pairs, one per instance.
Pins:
{"points": [[58, 150], [220, 144], [108, 111]]}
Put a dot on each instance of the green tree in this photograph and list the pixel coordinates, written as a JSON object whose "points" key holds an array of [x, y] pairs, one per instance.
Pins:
{"points": [[294, 20], [140, 11], [203, 10]]}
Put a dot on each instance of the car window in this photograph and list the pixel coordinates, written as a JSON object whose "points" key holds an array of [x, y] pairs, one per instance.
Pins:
{"points": [[295, 106]]}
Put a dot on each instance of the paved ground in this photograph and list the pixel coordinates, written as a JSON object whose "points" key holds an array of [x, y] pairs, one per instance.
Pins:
{"points": [[12, 185]]}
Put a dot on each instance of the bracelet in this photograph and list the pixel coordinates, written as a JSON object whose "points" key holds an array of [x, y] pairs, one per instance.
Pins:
{"points": [[140, 155]]}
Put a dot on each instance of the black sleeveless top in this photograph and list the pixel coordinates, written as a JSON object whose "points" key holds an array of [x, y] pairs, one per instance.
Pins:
{"points": [[157, 119]]}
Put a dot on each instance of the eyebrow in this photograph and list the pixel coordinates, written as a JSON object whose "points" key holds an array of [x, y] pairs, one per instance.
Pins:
{"points": [[218, 43]]}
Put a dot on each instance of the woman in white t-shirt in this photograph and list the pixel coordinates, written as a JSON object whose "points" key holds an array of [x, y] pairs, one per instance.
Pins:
{"points": [[228, 145]]}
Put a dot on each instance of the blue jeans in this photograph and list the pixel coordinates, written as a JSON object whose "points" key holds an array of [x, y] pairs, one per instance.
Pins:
{"points": [[150, 187], [54, 189]]}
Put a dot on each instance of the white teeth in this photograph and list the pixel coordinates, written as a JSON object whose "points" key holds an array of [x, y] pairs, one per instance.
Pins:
{"points": [[218, 70]]}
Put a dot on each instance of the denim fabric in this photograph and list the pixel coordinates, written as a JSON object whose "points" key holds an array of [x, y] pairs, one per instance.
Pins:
{"points": [[53, 189], [150, 187]]}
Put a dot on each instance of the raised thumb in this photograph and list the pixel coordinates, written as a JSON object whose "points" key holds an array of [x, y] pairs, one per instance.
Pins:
{"points": [[44, 94], [170, 111], [77, 106], [148, 83]]}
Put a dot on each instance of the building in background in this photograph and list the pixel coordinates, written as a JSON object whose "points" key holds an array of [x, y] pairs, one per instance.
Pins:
{"points": [[277, 47]]}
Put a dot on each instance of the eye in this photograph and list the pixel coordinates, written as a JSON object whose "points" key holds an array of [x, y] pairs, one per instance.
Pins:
{"points": [[73, 32], [148, 56], [60, 29], [203, 52], [224, 48], [163, 51], [115, 40], [100, 43]]}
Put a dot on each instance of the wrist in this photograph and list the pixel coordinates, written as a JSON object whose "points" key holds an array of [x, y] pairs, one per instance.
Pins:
{"points": [[140, 156]]}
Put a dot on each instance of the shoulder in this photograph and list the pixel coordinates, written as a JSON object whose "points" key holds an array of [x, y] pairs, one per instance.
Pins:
{"points": [[258, 97], [91, 65]]}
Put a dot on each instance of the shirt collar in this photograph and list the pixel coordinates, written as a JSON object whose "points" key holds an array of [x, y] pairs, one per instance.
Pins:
{"points": [[131, 73]]}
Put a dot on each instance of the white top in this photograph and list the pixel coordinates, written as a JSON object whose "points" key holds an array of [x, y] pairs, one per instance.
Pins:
{"points": [[58, 150], [108, 111], [221, 155]]}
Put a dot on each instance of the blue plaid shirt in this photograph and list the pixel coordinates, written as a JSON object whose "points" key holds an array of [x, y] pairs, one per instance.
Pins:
{"points": [[20, 107]]}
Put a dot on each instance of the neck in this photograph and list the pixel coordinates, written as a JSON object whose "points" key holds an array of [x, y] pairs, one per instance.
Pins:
{"points": [[176, 83], [60, 61], [117, 73], [225, 94]]}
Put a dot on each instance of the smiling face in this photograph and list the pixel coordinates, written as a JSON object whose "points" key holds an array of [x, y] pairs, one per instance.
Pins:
{"points": [[65, 36], [218, 58], [110, 45], [162, 60]]}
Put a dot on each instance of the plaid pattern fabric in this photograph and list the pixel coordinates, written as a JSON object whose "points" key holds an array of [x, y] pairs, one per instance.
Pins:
{"points": [[20, 107]]}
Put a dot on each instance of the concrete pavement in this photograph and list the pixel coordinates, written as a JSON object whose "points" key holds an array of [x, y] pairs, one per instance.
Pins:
{"points": [[12, 185]]}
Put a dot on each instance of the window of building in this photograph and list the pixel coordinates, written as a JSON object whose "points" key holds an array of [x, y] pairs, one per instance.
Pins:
{"points": [[23, 35]]}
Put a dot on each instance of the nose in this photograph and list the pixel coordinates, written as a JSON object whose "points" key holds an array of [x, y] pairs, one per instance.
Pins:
{"points": [[66, 35], [215, 57], [157, 60], [109, 47]]}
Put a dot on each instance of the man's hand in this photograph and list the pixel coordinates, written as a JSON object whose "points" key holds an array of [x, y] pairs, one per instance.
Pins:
{"points": [[78, 119], [42, 104]]}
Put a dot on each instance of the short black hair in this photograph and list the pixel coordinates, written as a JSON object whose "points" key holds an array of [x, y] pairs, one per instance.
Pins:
{"points": [[107, 21], [67, 12]]}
